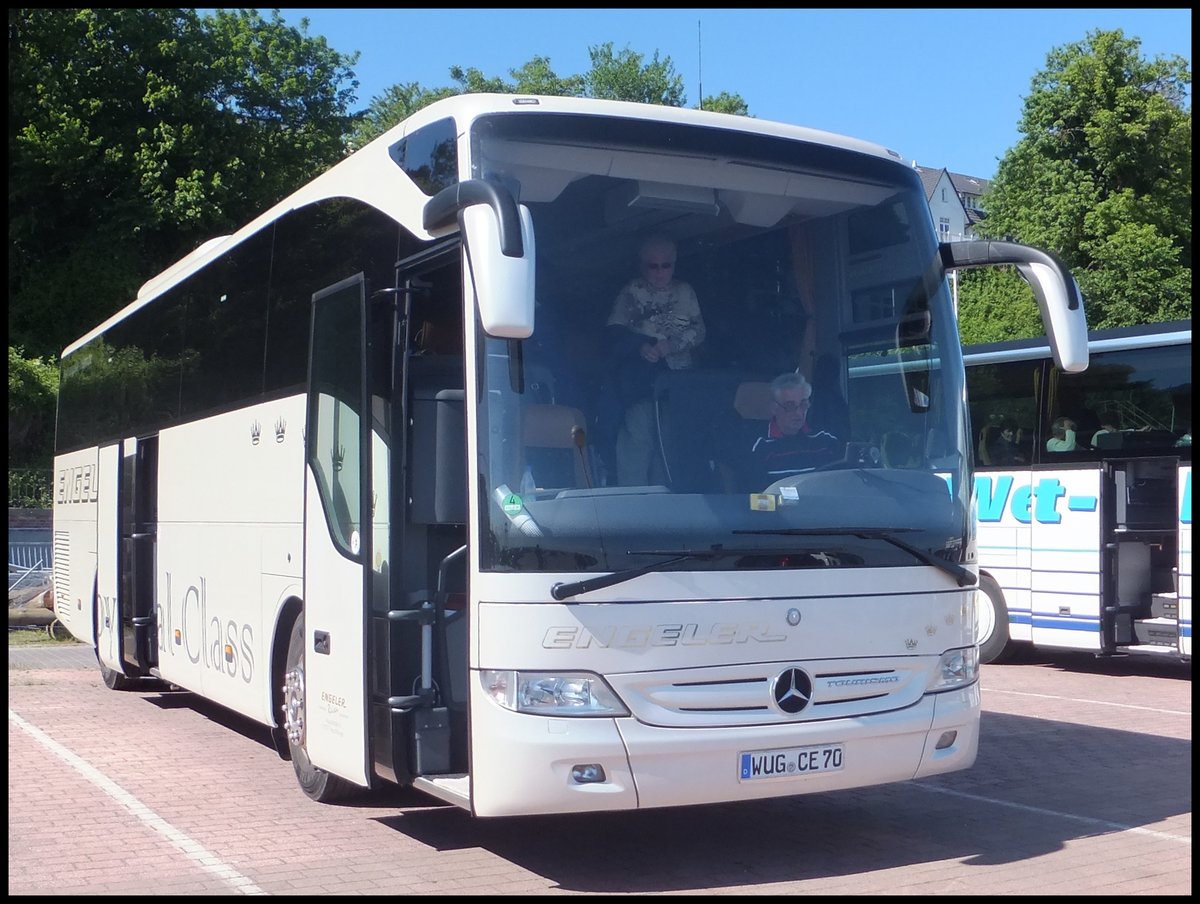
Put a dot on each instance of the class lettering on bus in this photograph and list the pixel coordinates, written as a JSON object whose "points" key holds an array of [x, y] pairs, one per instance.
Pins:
{"points": [[516, 459], [1084, 494]]}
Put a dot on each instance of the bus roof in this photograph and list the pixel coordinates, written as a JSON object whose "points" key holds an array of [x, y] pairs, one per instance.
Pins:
{"points": [[369, 174], [1173, 332]]}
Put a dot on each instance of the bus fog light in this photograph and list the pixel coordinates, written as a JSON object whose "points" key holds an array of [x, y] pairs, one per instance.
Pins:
{"points": [[588, 773], [946, 740]]}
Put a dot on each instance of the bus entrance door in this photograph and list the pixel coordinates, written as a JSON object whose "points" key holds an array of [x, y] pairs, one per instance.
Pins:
{"points": [[337, 536], [138, 509], [1140, 601], [127, 513], [108, 560]]}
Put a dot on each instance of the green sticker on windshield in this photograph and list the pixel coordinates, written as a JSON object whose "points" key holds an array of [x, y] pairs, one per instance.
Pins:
{"points": [[512, 504]]}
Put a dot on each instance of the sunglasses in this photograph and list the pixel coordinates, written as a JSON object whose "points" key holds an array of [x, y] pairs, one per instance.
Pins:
{"points": [[794, 405], [652, 265]]}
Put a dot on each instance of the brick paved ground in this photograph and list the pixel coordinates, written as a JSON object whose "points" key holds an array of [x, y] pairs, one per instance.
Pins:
{"points": [[1083, 786], [51, 656]]}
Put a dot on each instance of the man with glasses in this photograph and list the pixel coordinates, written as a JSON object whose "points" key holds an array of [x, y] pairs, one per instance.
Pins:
{"points": [[655, 324], [789, 444]]}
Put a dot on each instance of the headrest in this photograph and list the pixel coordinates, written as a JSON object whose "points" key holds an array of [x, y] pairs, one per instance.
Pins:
{"points": [[550, 426], [753, 401]]}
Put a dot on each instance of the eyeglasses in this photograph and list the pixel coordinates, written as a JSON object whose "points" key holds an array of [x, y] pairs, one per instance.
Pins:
{"points": [[793, 404], [654, 265]]}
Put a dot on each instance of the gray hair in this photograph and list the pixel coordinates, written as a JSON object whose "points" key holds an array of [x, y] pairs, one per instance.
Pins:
{"points": [[787, 381]]}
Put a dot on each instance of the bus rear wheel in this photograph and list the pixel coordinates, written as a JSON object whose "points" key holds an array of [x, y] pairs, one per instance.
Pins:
{"points": [[315, 782], [991, 622]]}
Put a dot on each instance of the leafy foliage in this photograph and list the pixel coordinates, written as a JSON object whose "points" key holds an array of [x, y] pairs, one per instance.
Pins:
{"points": [[623, 76], [135, 134], [726, 103], [1102, 177], [32, 388], [1001, 306], [614, 75]]}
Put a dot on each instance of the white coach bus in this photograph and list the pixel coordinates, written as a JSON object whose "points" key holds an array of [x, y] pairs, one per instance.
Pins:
{"points": [[1085, 538], [345, 470]]}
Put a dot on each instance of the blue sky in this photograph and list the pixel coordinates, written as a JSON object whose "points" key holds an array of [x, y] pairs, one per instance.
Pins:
{"points": [[943, 87]]}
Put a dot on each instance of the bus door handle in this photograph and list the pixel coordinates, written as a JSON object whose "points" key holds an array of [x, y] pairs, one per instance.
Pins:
{"points": [[321, 642], [411, 701]]}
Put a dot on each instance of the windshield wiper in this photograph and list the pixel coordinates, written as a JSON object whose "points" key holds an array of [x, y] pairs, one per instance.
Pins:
{"points": [[561, 591], [963, 576]]}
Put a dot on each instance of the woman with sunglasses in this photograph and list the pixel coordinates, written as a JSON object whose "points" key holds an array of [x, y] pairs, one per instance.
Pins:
{"points": [[655, 323]]}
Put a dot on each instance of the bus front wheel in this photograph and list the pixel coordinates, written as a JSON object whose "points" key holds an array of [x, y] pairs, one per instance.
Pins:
{"points": [[314, 781], [991, 622]]}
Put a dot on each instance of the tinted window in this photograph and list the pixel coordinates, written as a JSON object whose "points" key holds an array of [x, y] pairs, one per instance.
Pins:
{"points": [[230, 334], [226, 322], [317, 246], [429, 156], [1135, 402], [1003, 396]]}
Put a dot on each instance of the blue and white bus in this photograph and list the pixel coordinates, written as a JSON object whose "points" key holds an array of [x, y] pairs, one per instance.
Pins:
{"points": [[1085, 534], [337, 472]]}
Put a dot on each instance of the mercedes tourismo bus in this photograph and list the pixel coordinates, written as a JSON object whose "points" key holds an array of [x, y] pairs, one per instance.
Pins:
{"points": [[339, 471], [1085, 540]]}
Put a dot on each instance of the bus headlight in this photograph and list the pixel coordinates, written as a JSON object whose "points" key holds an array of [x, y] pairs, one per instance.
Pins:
{"points": [[956, 668], [552, 693]]}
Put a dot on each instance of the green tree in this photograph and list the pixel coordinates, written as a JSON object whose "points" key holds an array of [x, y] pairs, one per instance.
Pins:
{"points": [[1102, 177], [32, 388], [995, 304], [391, 107], [726, 103], [136, 134], [623, 75]]}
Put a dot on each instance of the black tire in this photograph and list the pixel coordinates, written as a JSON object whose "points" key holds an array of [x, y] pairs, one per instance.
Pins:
{"points": [[114, 680], [315, 782], [995, 645]]}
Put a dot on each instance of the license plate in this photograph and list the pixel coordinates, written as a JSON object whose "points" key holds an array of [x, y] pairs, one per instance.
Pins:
{"points": [[790, 761]]}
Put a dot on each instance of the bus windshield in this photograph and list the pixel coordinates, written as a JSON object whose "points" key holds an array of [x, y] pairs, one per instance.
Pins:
{"points": [[685, 276]]}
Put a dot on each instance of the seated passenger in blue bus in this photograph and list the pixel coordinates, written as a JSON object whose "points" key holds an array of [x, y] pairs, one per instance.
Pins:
{"points": [[1003, 448], [1062, 436]]}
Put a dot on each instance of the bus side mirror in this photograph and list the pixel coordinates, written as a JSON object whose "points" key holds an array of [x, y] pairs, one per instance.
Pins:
{"points": [[498, 236], [504, 286], [1057, 293]]}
